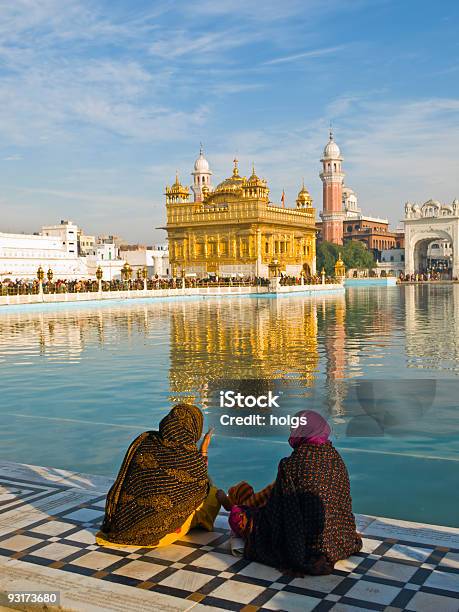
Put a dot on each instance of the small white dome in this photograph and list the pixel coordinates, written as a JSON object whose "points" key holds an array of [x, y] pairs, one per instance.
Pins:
{"points": [[201, 165], [331, 150]]}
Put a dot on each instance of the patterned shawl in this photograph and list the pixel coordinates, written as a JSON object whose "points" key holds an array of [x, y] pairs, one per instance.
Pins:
{"points": [[162, 480], [307, 524]]}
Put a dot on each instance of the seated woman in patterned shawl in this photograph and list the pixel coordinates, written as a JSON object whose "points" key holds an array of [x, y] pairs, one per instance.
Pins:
{"points": [[303, 522], [163, 488]]}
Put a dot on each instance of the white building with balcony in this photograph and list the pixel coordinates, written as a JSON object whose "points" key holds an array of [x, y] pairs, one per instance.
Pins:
{"points": [[155, 258], [55, 247], [106, 255], [66, 232]]}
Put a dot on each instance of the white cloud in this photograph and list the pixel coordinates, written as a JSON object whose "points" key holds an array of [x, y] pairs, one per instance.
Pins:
{"points": [[104, 200], [268, 11], [312, 53], [202, 48], [398, 151], [77, 80], [57, 81], [13, 157]]}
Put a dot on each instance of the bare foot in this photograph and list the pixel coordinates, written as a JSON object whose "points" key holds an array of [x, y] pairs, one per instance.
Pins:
{"points": [[222, 498]]}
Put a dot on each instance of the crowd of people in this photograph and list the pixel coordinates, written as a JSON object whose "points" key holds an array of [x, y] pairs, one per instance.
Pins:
{"points": [[423, 277], [32, 287], [305, 280], [26, 287]]}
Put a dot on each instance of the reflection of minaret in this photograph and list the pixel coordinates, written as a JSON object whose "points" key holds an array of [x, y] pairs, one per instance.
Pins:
{"points": [[335, 346]]}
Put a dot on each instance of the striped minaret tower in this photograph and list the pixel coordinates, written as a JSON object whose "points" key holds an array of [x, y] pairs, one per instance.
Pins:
{"points": [[332, 179]]}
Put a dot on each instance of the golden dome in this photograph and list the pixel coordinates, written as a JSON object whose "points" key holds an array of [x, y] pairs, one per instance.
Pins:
{"points": [[304, 197], [233, 183]]}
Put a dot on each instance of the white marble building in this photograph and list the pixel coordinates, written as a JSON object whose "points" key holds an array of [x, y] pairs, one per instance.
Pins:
{"points": [[155, 258], [105, 255], [392, 262], [431, 222], [67, 233], [350, 203], [22, 254], [72, 255]]}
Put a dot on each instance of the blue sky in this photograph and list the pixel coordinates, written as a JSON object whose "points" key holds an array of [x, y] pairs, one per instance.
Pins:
{"points": [[100, 103]]}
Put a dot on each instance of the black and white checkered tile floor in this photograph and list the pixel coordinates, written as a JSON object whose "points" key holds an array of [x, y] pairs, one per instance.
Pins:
{"points": [[48, 519]]}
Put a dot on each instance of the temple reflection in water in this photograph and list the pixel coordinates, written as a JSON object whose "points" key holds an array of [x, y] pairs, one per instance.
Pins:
{"points": [[237, 338], [322, 343]]}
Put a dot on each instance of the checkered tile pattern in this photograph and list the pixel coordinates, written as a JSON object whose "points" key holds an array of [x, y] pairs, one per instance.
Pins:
{"points": [[53, 524]]}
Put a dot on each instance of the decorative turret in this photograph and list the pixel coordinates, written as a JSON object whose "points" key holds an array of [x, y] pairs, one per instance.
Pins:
{"points": [[340, 268], [177, 193], [201, 176], [304, 199], [255, 187]]}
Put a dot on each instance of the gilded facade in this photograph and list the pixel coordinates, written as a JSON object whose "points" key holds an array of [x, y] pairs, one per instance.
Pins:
{"points": [[234, 228]]}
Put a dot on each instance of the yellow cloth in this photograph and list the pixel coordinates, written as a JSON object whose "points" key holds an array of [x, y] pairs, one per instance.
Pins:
{"points": [[203, 516]]}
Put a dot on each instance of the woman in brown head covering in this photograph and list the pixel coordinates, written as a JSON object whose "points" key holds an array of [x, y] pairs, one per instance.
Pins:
{"points": [[163, 488], [303, 522]]}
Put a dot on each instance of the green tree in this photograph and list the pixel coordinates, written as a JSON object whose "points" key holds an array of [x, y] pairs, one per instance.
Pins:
{"points": [[327, 254], [354, 254]]}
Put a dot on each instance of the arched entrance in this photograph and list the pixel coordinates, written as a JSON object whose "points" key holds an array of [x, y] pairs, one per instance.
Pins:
{"points": [[421, 263], [424, 262], [428, 224], [306, 270]]}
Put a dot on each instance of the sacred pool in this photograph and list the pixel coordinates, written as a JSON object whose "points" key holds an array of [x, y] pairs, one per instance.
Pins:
{"points": [[80, 381]]}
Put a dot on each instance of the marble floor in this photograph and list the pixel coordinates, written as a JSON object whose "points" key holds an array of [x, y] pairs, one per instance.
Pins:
{"points": [[48, 518]]}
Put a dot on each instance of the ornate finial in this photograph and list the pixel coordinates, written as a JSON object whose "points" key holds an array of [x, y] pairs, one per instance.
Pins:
{"points": [[253, 168], [303, 183], [201, 150], [330, 131], [235, 169], [177, 182]]}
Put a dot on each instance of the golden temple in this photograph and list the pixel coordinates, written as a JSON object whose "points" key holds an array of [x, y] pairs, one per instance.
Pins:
{"points": [[235, 229]]}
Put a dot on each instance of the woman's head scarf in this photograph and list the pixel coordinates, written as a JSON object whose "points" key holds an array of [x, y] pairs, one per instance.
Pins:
{"points": [[162, 480], [315, 429]]}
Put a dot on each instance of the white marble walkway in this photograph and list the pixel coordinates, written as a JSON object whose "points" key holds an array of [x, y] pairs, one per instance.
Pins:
{"points": [[48, 518]]}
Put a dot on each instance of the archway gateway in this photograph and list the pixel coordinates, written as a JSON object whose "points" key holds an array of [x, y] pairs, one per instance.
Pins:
{"points": [[425, 224]]}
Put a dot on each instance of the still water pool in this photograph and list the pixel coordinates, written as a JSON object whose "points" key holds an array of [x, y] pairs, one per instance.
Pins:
{"points": [[79, 382]]}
